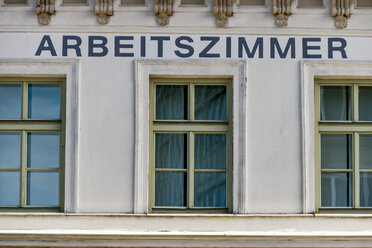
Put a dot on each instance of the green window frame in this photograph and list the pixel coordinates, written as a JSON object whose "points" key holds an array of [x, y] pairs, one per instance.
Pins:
{"points": [[341, 146], [190, 128], [33, 128]]}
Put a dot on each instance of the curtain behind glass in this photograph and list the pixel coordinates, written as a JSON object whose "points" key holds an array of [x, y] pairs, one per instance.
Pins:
{"points": [[210, 102], [335, 103], [170, 153], [171, 102]]}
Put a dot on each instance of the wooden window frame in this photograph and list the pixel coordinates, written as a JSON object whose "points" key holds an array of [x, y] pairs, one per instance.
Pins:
{"points": [[26, 125], [354, 127], [191, 127]]}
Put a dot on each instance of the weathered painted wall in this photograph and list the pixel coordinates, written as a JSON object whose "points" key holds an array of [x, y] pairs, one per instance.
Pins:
{"points": [[105, 168]]}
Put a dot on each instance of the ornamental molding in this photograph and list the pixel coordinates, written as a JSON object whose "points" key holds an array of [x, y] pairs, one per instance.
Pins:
{"points": [[281, 11], [341, 12], [222, 10], [44, 9], [104, 9], [163, 10]]}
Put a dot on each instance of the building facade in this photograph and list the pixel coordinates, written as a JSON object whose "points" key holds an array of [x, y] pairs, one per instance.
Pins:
{"points": [[185, 123]]}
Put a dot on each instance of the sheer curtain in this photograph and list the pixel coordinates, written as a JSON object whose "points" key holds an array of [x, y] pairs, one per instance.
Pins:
{"points": [[335, 103]]}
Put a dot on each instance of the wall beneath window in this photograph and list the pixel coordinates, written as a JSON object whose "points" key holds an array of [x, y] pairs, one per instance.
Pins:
{"points": [[106, 142]]}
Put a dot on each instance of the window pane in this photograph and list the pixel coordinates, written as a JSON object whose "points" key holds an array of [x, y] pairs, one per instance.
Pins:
{"points": [[335, 103], [210, 151], [310, 3], [43, 150], [365, 103], [170, 150], [336, 190], [10, 150], [9, 188], [336, 152], [210, 189], [170, 189], [365, 151], [10, 101], [42, 188], [171, 102], [366, 189], [210, 102], [44, 101]]}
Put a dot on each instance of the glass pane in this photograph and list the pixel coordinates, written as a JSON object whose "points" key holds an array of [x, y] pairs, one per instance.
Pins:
{"points": [[365, 189], [210, 189], [365, 103], [365, 151], [10, 101], [335, 103], [44, 101], [210, 102], [9, 188], [170, 189], [210, 151], [171, 102], [43, 150], [336, 151], [10, 150], [170, 150], [42, 188], [336, 190]]}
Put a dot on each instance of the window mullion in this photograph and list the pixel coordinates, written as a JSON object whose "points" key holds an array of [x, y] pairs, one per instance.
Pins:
{"points": [[24, 100], [355, 107], [356, 184], [190, 174], [24, 170], [192, 102]]}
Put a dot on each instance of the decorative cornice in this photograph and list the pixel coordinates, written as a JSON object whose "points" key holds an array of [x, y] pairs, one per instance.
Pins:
{"points": [[104, 9], [341, 12], [163, 9], [44, 9], [281, 11], [222, 10]]}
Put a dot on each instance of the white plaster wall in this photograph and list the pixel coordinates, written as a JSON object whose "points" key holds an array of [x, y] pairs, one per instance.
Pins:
{"points": [[105, 170]]}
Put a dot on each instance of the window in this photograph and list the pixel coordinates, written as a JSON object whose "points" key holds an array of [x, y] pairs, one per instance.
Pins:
{"points": [[31, 143], [190, 140], [343, 136]]}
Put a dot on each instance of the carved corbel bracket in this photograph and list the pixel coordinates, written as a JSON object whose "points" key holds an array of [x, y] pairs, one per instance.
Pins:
{"points": [[222, 10], [163, 10], [104, 9], [44, 9], [281, 11], [341, 12]]}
